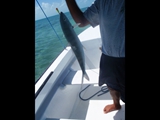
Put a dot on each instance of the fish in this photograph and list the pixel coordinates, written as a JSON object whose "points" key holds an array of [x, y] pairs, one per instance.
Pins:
{"points": [[74, 42]]}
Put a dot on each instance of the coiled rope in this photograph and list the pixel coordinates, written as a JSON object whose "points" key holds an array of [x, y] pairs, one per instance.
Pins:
{"points": [[104, 90]]}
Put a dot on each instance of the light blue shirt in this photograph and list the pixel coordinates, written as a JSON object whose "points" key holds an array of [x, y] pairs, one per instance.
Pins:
{"points": [[110, 16]]}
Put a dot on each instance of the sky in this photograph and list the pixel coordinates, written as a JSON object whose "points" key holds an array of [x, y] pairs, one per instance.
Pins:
{"points": [[49, 7]]}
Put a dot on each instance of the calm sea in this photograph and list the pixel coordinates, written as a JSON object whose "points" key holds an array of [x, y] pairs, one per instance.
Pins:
{"points": [[50, 43]]}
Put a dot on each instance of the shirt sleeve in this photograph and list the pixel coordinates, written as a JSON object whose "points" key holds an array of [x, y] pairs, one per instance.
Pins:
{"points": [[92, 14]]}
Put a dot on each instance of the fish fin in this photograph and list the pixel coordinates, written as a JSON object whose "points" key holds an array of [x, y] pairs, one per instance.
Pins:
{"points": [[86, 76], [76, 25], [82, 81]]}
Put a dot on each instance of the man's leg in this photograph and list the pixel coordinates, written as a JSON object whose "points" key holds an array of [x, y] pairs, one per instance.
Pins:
{"points": [[116, 101]]}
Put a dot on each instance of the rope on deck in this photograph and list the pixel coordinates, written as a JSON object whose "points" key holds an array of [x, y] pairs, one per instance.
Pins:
{"points": [[104, 90]]}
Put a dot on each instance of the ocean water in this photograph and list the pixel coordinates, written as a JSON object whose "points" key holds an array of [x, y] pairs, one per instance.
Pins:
{"points": [[49, 43]]}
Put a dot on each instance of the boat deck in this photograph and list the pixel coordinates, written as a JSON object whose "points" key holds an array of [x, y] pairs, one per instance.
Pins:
{"points": [[59, 99], [66, 103]]}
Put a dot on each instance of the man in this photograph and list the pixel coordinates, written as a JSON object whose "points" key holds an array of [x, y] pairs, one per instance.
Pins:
{"points": [[110, 16]]}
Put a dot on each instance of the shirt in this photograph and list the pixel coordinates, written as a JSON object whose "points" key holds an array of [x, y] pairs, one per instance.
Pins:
{"points": [[110, 16]]}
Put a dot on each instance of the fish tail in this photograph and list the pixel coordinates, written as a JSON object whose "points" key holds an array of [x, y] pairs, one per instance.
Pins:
{"points": [[86, 76], [82, 82]]}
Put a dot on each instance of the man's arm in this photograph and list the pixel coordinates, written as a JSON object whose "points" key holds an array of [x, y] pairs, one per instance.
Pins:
{"points": [[76, 13]]}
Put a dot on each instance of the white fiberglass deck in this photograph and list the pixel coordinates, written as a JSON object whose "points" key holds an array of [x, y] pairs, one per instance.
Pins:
{"points": [[66, 104]]}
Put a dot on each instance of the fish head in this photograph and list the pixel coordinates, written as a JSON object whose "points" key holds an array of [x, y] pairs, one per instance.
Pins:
{"points": [[64, 19], [65, 24]]}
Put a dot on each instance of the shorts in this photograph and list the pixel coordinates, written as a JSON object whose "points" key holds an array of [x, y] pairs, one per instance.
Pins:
{"points": [[112, 73]]}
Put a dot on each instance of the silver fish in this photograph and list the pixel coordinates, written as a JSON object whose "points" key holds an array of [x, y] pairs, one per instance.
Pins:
{"points": [[74, 42]]}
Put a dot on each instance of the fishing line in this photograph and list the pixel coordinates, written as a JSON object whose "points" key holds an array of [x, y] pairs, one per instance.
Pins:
{"points": [[51, 25]]}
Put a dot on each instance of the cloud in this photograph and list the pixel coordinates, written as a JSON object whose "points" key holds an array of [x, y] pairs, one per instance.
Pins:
{"points": [[49, 9]]}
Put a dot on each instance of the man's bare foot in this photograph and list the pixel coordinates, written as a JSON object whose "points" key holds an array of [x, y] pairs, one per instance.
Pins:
{"points": [[110, 108]]}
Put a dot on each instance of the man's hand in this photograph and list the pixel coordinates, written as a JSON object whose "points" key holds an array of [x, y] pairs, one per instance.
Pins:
{"points": [[76, 13]]}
